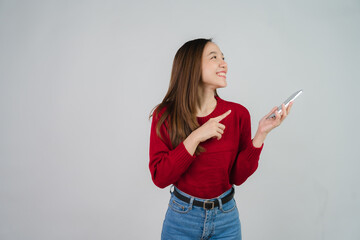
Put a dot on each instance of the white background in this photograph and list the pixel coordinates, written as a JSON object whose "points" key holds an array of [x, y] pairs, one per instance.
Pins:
{"points": [[78, 80]]}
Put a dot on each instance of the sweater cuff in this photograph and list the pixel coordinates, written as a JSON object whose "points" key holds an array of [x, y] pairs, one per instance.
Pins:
{"points": [[258, 148], [182, 146], [255, 151], [182, 154]]}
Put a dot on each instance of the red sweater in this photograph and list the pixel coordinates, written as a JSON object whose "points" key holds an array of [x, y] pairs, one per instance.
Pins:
{"points": [[230, 160]]}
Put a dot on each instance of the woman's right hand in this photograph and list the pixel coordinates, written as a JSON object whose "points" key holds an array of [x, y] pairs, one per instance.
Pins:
{"points": [[211, 129]]}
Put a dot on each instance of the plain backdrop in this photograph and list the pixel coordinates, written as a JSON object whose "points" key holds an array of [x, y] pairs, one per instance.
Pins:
{"points": [[78, 80]]}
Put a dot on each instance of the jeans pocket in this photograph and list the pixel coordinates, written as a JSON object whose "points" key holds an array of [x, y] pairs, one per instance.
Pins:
{"points": [[178, 205], [229, 206]]}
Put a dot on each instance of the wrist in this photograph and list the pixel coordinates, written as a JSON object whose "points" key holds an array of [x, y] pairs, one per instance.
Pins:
{"points": [[261, 133], [194, 138], [259, 139], [191, 143]]}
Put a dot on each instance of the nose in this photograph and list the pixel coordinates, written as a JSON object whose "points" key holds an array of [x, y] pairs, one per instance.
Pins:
{"points": [[223, 64]]}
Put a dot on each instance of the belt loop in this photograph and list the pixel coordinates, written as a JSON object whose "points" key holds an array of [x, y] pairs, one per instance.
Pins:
{"points": [[220, 203], [172, 186], [191, 202]]}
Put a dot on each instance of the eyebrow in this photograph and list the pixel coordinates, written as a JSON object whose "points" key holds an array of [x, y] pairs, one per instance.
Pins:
{"points": [[215, 53]]}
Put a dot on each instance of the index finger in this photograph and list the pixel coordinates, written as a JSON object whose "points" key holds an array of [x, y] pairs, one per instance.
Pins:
{"points": [[221, 117]]}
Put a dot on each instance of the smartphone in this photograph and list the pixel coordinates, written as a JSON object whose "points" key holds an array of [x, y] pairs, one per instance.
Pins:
{"points": [[286, 102]]}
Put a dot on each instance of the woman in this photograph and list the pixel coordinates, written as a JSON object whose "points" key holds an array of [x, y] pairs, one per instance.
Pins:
{"points": [[202, 145]]}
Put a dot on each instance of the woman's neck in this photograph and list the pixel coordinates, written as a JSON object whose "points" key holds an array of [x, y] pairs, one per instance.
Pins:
{"points": [[207, 103]]}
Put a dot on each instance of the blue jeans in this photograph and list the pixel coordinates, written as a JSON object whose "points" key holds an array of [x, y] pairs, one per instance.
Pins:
{"points": [[188, 222]]}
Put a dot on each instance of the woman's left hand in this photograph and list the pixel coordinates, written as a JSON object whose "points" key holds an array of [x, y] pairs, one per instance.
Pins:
{"points": [[267, 124]]}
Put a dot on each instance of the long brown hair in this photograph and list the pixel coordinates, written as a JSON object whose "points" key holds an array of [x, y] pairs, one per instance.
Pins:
{"points": [[182, 99]]}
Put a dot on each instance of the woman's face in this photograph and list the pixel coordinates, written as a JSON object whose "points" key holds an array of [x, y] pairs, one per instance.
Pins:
{"points": [[214, 68]]}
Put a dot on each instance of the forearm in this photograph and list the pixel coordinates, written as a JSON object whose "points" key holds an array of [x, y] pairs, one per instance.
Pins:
{"points": [[191, 143], [166, 166], [259, 138], [246, 164]]}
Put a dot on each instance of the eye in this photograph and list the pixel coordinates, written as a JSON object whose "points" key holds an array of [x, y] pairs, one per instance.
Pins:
{"points": [[215, 57]]}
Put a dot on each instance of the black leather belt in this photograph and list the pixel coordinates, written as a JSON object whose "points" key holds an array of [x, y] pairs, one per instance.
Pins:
{"points": [[206, 204]]}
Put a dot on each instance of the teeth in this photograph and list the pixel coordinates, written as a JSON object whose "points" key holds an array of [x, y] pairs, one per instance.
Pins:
{"points": [[222, 74]]}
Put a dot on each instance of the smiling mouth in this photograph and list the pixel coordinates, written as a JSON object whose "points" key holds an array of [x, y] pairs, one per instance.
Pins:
{"points": [[221, 74]]}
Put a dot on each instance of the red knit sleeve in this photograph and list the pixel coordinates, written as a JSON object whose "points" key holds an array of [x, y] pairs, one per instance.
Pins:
{"points": [[248, 156], [166, 164]]}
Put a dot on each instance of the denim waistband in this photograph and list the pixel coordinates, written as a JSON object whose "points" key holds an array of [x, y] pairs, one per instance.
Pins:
{"points": [[202, 199]]}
